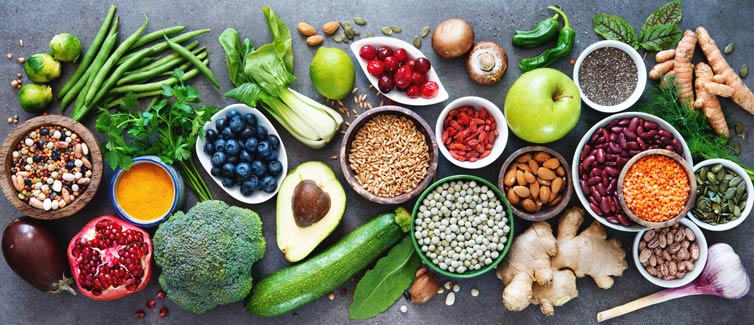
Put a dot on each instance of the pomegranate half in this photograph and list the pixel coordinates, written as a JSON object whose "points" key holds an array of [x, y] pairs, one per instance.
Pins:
{"points": [[110, 258]]}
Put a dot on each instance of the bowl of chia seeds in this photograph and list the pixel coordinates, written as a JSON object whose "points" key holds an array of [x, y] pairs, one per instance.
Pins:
{"points": [[611, 76], [462, 226]]}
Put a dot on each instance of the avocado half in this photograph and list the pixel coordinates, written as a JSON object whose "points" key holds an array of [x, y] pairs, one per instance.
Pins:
{"points": [[297, 242]]}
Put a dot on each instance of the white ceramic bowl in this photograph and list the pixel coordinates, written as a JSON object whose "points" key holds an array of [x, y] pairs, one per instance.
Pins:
{"points": [[477, 103], [640, 84], [235, 191], [414, 53], [690, 276], [585, 139], [749, 200]]}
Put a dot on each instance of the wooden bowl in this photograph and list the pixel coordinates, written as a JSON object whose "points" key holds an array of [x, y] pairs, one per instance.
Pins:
{"points": [[345, 148], [689, 200], [546, 212], [17, 135]]}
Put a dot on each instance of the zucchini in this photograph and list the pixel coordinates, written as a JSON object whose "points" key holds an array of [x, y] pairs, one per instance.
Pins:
{"points": [[292, 287]]}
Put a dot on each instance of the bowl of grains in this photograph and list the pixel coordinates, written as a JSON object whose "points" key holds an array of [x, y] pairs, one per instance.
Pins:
{"points": [[462, 226], [656, 188], [53, 166], [671, 257], [389, 155], [611, 76]]}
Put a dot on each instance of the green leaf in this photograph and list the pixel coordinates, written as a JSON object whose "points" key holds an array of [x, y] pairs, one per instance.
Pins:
{"points": [[233, 59], [268, 70], [281, 37], [385, 283], [615, 28], [248, 93], [661, 37], [670, 13]]}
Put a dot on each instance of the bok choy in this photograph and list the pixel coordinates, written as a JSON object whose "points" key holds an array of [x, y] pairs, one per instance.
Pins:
{"points": [[262, 76]]}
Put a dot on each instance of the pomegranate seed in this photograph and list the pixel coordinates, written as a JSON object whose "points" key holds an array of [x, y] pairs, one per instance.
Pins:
{"points": [[422, 65], [383, 52], [161, 294], [163, 312], [400, 55], [391, 64], [413, 91], [385, 84], [376, 67], [430, 89], [139, 314], [151, 303], [367, 52]]}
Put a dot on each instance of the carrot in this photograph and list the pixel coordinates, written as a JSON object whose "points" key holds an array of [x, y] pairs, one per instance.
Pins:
{"points": [[741, 95], [708, 102]]}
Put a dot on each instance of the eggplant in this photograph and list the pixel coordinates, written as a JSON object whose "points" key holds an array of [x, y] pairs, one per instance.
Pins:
{"points": [[32, 251]]}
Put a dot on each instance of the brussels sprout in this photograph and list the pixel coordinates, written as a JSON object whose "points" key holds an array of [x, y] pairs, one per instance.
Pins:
{"points": [[65, 47], [34, 97], [42, 68]]}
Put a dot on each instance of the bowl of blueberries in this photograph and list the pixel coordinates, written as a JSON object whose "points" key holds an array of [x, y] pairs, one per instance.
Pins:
{"points": [[242, 151]]}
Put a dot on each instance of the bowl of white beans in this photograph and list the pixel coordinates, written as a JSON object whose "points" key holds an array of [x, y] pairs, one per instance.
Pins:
{"points": [[462, 226]]}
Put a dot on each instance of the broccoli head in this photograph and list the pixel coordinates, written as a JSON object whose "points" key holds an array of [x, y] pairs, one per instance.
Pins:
{"points": [[206, 254]]}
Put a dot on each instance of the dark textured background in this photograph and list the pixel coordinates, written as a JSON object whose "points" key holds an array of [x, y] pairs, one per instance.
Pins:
{"points": [[36, 22]]}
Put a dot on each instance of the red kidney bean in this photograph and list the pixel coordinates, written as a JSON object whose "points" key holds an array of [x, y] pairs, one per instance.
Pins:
{"points": [[649, 125], [612, 171], [630, 134], [602, 189], [599, 154], [612, 219], [595, 172], [622, 140], [623, 122], [616, 129], [632, 145], [633, 124], [642, 145], [587, 149], [594, 180], [588, 161], [624, 220], [613, 147], [584, 188], [605, 205], [595, 208]]}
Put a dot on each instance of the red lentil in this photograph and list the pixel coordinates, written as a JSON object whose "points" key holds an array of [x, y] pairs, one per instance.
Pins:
{"points": [[656, 188], [469, 134]]}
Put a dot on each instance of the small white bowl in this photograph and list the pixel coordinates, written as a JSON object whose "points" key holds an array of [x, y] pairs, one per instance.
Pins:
{"points": [[690, 276], [414, 53], [749, 200], [640, 84], [477, 103], [235, 191]]}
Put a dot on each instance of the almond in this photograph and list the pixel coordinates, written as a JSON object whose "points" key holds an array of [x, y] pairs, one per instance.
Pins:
{"points": [[552, 163], [330, 28], [314, 40], [306, 29], [522, 191], [545, 173]]}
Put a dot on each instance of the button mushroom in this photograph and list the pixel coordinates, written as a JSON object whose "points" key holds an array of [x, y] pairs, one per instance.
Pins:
{"points": [[487, 63], [452, 38]]}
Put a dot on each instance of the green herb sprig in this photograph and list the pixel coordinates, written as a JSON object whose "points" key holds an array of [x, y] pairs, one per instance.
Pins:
{"points": [[168, 128]]}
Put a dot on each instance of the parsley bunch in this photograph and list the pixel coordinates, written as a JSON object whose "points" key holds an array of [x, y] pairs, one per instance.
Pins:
{"points": [[168, 128]]}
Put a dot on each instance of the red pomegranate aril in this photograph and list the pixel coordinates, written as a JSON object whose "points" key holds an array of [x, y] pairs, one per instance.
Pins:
{"points": [[375, 67], [400, 55], [413, 91], [430, 89], [139, 314], [151, 303], [383, 52], [391, 64], [385, 84], [367, 52], [161, 294], [403, 77], [163, 312], [418, 79], [422, 65]]}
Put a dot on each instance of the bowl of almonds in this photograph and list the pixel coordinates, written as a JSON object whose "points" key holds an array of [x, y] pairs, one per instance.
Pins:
{"points": [[536, 182], [673, 256]]}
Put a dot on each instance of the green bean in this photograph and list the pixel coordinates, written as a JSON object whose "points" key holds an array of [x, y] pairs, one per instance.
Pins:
{"points": [[149, 74], [159, 47], [90, 53], [162, 61], [108, 65], [193, 59], [153, 36], [157, 85], [184, 66]]}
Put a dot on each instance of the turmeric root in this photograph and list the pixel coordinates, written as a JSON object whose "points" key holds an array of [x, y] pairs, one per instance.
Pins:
{"points": [[707, 101], [742, 95], [680, 67]]}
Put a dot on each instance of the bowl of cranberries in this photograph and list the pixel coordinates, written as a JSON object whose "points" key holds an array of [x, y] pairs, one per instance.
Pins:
{"points": [[399, 71]]}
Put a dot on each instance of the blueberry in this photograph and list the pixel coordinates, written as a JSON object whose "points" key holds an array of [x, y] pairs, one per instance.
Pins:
{"points": [[227, 134], [233, 159], [228, 182], [251, 145], [210, 135], [209, 148], [218, 159], [272, 155], [258, 168], [269, 184], [215, 171], [246, 191], [232, 147], [245, 156], [236, 125], [250, 119], [248, 132], [221, 124], [252, 182], [243, 170], [264, 148], [228, 170], [274, 141], [261, 132], [220, 145], [274, 168], [232, 113]]}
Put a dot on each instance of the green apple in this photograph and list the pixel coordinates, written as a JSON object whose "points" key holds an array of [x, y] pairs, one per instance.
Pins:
{"points": [[542, 106]]}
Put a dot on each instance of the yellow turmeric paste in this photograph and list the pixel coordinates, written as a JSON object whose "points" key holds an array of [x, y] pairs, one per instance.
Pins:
{"points": [[145, 192]]}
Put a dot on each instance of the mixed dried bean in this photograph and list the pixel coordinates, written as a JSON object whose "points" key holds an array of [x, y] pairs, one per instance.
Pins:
{"points": [[669, 253]]}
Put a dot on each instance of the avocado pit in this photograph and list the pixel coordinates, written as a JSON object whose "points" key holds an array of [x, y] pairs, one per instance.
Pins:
{"points": [[310, 203]]}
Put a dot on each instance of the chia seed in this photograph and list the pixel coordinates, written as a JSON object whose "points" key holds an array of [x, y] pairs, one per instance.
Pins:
{"points": [[608, 76]]}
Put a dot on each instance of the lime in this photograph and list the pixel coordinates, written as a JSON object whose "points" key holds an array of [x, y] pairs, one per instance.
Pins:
{"points": [[65, 47], [34, 97], [332, 72]]}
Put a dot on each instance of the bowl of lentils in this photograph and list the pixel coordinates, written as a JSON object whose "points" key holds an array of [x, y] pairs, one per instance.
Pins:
{"points": [[462, 226], [611, 76], [725, 195], [53, 166]]}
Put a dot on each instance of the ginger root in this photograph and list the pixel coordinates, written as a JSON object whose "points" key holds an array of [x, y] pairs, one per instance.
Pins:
{"points": [[542, 270], [724, 74], [707, 101]]}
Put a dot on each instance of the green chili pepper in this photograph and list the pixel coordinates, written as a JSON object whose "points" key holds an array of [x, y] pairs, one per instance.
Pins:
{"points": [[543, 32], [566, 39]]}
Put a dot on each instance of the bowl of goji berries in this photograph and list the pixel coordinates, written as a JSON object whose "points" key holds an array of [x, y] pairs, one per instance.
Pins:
{"points": [[472, 132]]}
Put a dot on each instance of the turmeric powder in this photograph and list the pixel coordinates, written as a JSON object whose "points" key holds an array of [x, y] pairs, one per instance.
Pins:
{"points": [[145, 192]]}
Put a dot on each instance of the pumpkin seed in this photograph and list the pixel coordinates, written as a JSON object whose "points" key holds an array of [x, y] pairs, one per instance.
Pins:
{"points": [[356, 32], [728, 48], [717, 168], [417, 42], [346, 24], [739, 127], [711, 177], [744, 135], [735, 181], [386, 30], [730, 193], [396, 29], [369, 34], [348, 32], [425, 31], [359, 21], [737, 149], [337, 38], [744, 71]]}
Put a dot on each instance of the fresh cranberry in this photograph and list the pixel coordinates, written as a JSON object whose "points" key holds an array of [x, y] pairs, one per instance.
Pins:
{"points": [[430, 89], [403, 77], [367, 52], [422, 65], [418, 79], [383, 52], [375, 67], [411, 63], [391, 64], [413, 91], [400, 54], [385, 84]]}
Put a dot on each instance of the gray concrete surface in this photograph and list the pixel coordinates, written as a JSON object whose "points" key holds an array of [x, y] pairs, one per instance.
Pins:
{"points": [[37, 21]]}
